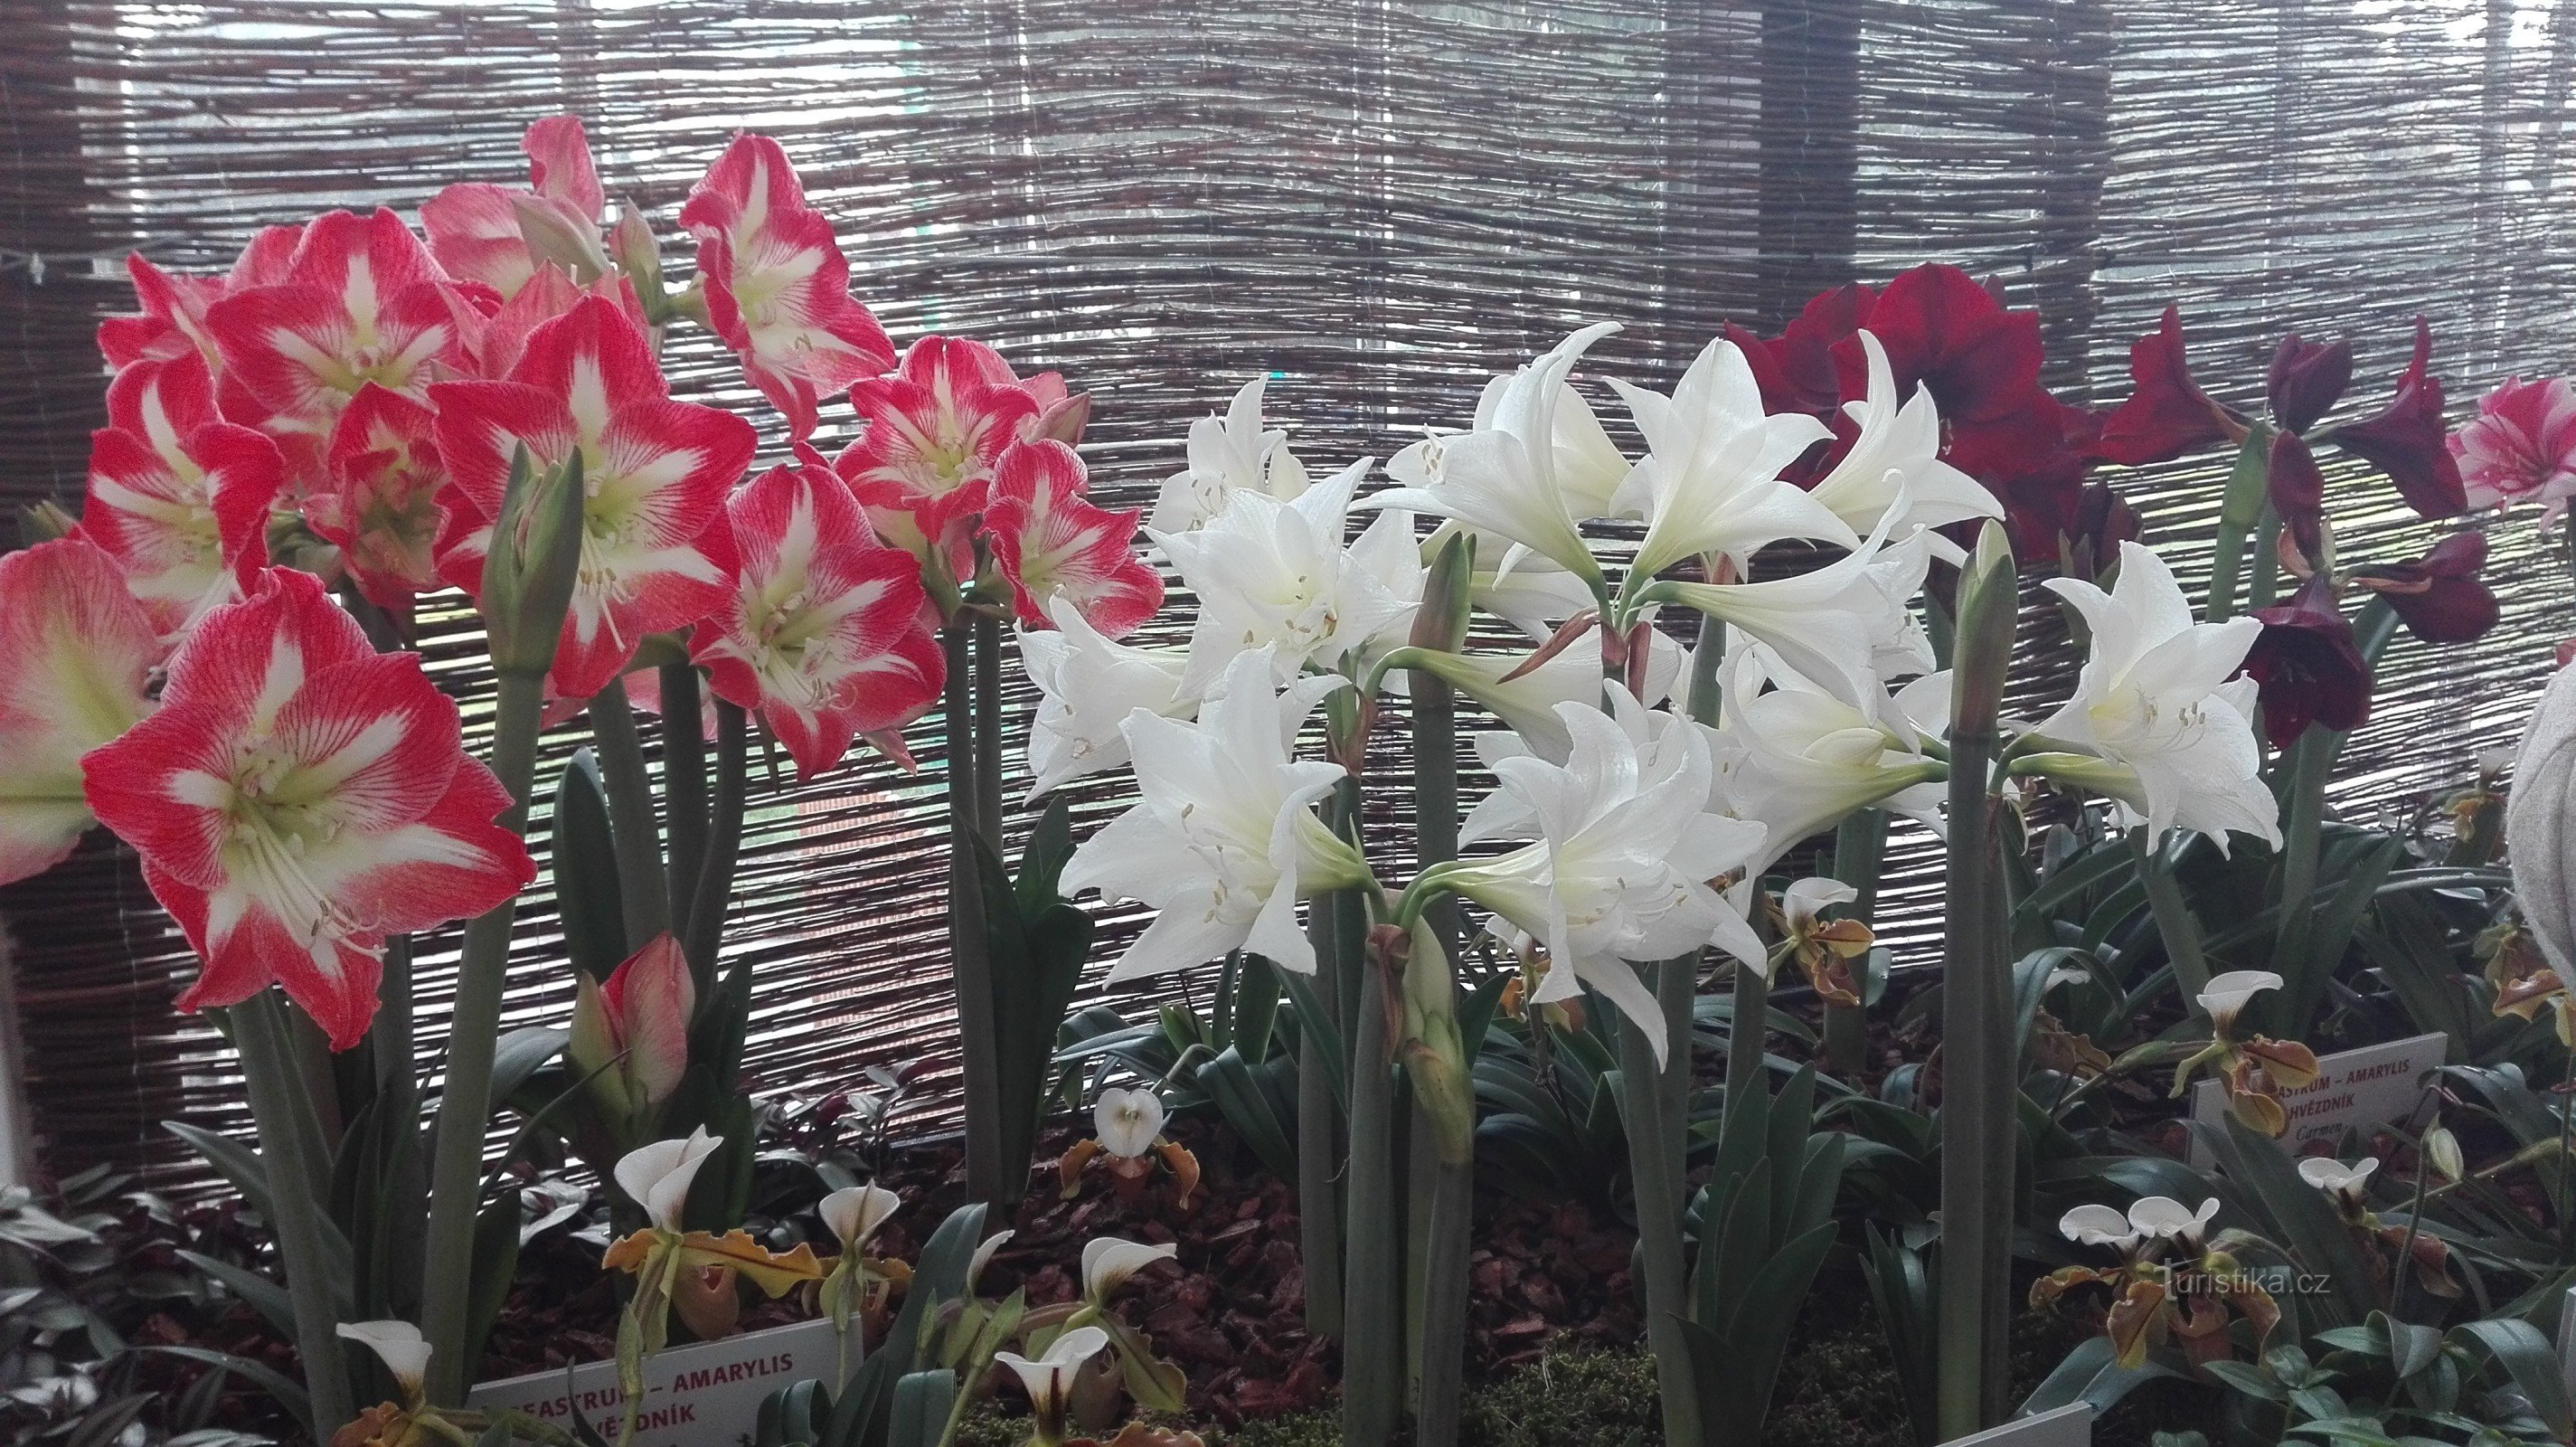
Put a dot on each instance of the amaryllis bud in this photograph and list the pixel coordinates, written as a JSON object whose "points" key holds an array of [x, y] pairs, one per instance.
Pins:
{"points": [[632, 245], [1441, 622], [531, 565], [1434, 1056], [639, 1020], [2306, 379], [1061, 421], [555, 236], [1981, 653]]}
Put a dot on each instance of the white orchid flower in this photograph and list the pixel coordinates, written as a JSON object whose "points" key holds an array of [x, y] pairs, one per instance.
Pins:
{"points": [[2228, 994], [1804, 902], [1224, 841], [1049, 1380], [1107, 1262], [2098, 1225], [1799, 760], [2349, 1185], [1275, 574], [1528, 704], [1087, 686], [855, 1212], [658, 1176], [1227, 455], [2166, 1219], [399, 1346], [1893, 472], [1127, 1121], [1504, 479], [1710, 479], [1624, 848], [983, 1257], [2171, 734]]}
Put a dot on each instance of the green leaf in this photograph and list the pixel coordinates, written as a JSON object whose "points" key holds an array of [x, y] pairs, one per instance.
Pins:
{"points": [[2524, 1353], [2091, 1374], [264, 1296], [237, 1162], [523, 1053], [495, 1262], [287, 1393], [587, 894], [2300, 1217], [921, 1402], [1251, 1111]]}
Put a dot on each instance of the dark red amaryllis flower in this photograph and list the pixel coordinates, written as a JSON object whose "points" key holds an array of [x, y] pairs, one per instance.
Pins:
{"points": [[2439, 596], [1944, 331], [2310, 669], [2305, 380], [1796, 369], [2299, 498], [2167, 414], [2406, 440]]}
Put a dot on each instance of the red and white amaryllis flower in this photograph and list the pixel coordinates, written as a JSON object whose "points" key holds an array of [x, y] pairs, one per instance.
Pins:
{"points": [[479, 230], [1052, 542], [936, 427], [2521, 446], [297, 798], [361, 302], [825, 633], [173, 320], [777, 287], [654, 473], [178, 496], [380, 501], [75, 652]]}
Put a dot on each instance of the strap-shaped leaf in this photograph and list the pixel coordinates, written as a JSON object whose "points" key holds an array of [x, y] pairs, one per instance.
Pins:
{"points": [[921, 1402], [2525, 1355], [1252, 1111]]}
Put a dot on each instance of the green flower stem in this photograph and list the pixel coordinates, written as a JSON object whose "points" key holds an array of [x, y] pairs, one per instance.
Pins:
{"points": [[465, 1103], [2175, 922], [2239, 512], [1653, 1166], [1319, 1116], [259, 1034], [1860, 855], [724, 846], [988, 729], [970, 963], [1444, 1294], [684, 788], [1976, 1111], [641, 887], [1373, 1290]]}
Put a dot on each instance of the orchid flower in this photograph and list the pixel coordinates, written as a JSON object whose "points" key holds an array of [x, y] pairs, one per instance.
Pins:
{"points": [[1107, 1262], [2162, 728], [399, 1346], [178, 496], [1127, 1121], [2158, 1291], [1224, 841], [1049, 1380], [822, 633], [2347, 1185], [299, 797], [1227, 455], [380, 504], [1087, 686], [937, 426], [1822, 948], [2163, 1218], [2252, 1069], [2228, 994], [658, 1177], [76, 653], [2099, 1225], [1893, 473], [1051, 542], [1799, 760], [654, 476], [1624, 849], [1710, 480], [1275, 574], [630, 1036], [853, 1214], [478, 230], [1127, 1139], [777, 286]]}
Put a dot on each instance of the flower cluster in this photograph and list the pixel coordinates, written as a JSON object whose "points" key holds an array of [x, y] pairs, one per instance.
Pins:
{"points": [[2172, 1280]]}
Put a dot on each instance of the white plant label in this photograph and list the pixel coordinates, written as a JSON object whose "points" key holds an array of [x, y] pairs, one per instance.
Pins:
{"points": [[2375, 1085], [706, 1395], [2567, 1342], [2067, 1426]]}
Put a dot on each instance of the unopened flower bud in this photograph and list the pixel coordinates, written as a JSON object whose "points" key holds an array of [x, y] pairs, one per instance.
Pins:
{"points": [[555, 235], [1981, 653], [531, 564]]}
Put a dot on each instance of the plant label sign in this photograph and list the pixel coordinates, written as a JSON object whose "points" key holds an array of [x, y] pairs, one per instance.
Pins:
{"points": [[707, 1395], [2567, 1343], [2373, 1086], [2067, 1426]]}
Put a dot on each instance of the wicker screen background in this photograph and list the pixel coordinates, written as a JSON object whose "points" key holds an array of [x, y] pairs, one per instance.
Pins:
{"points": [[1377, 203]]}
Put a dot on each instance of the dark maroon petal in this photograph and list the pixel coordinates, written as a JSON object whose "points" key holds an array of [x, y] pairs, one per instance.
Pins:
{"points": [[2298, 493], [2104, 519], [2439, 596], [2306, 379], [2406, 439], [2309, 668], [2167, 414]]}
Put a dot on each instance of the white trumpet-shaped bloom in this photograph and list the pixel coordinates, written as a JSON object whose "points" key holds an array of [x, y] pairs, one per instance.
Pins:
{"points": [[2337, 1179], [1893, 473], [1127, 1121], [2156, 705], [1528, 705], [1087, 686], [1223, 841], [1107, 1262], [854, 1213], [1227, 455], [398, 1345], [1276, 574], [1710, 479], [1049, 1379], [1798, 760], [2228, 994], [1624, 847], [1845, 625], [658, 1175]]}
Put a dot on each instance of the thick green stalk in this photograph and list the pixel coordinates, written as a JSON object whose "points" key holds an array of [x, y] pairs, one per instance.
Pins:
{"points": [[1653, 1166], [1319, 1111], [988, 729], [970, 962], [465, 1103], [1373, 1290], [2175, 922], [640, 881], [684, 788], [2240, 510], [1748, 1032], [714, 885], [1444, 1294], [259, 1035], [1860, 855]]}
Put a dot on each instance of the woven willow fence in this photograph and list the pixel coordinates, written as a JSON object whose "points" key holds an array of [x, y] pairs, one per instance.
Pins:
{"points": [[1376, 202]]}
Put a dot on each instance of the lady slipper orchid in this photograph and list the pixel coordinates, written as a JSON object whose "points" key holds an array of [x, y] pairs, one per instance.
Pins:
{"points": [[2348, 1186], [1107, 1262], [2521, 447], [2252, 1069], [479, 231], [2167, 414], [2405, 439], [2163, 1218], [1127, 1122], [2308, 665], [297, 798], [2227, 995], [76, 654], [179, 497], [777, 286], [2171, 739], [822, 632], [1051, 543], [630, 1035], [380, 505], [1127, 1138], [2305, 380], [1891, 478], [985, 1250], [1275, 574], [937, 427], [854, 1213], [399, 1346], [2099, 1225], [1227, 455], [1087, 686], [857, 1284], [2169, 1283], [654, 477], [1823, 949], [1710, 480], [1049, 1380], [1224, 841]]}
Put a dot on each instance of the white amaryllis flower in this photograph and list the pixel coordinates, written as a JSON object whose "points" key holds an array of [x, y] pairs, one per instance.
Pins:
{"points": [[1624, 849], [2348, 1184], [2229, 993], [1107, 1262], [399, 1346], [1087, 686], [855, 1212], [1224, 841], [658, 1176], [1528, 704], [1275, 574], [1127, 1121], [1228, 454], [2170, 734], [1799, 760], [1710, 479], [1893, 472], [2166, 1219], [1505, 479], [1049, 1380], [1846, 625], [2098, 1225]]}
